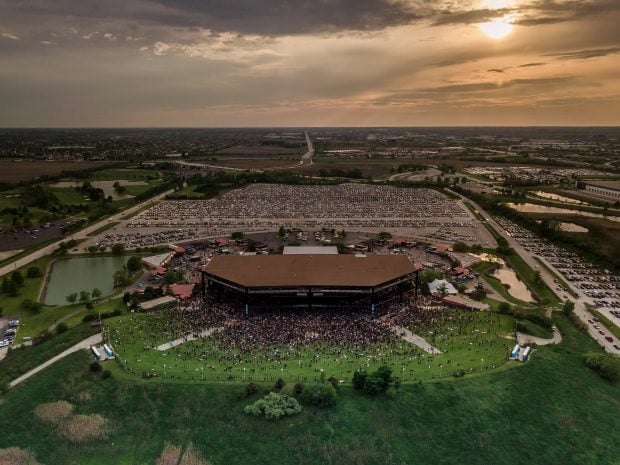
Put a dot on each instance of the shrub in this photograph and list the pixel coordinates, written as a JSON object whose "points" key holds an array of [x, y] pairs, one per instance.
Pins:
{"points": [[458, 373], [279, 384], [274, 405], [251, 389], [95, 367], [334, 382], [359, 379], [106, 374], [61, 328], [319, 394], [298, 388], [606, 365], [33, 272]]}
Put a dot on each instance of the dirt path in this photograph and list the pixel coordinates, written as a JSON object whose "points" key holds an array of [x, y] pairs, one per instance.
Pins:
{"points": [[85, 344]]}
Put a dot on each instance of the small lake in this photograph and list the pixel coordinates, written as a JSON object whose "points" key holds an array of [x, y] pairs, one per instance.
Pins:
{"points": [[106, 186], [533, 208], [517, 288], [71, 275]]}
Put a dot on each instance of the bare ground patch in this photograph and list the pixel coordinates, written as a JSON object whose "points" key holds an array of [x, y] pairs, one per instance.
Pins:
{"points": [[17, 456], [80, 428], [171, 455], [54, 412]]}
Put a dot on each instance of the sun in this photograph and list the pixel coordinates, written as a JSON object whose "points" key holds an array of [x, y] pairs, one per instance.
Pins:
{"points": [[498, 28]]}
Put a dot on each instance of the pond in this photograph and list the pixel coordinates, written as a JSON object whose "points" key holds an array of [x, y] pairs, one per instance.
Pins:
{"points": [[533, 208], [517, 288], [81, 274], [106, 186]]}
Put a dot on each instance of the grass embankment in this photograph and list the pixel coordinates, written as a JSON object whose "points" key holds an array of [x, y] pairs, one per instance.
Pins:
{"points": [[611, 327], [552, 410], [19, 361], [464, 338]]}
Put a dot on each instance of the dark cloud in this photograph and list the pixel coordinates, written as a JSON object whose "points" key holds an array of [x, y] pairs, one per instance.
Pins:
{"points": [[530, 65], [496, 70], [553, 11], [488, 86], [585, 54], [468, 17]]}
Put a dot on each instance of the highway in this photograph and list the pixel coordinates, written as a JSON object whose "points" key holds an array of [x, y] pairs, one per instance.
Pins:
{"points": [[306, 160], [81, 234]]}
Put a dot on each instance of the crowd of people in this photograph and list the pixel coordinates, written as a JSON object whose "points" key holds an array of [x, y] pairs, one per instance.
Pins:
{"points": [[292, 342]]}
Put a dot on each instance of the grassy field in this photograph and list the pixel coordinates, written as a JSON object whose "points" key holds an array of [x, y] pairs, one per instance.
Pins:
{"points": [[553, 410], [465, 339]]}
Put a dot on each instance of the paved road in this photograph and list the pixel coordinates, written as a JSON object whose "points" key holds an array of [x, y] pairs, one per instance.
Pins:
{"points": [[306, 159], [581, 302], [81, 234], [85, 344], [529, 339]]}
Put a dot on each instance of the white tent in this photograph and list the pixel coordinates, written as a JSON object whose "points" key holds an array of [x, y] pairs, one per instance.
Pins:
{"points": [[441, 286]]}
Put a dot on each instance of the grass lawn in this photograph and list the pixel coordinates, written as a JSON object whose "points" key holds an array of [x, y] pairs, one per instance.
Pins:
{"points": [[129, 174], [19, 361], [553, 410], [464, 338]]}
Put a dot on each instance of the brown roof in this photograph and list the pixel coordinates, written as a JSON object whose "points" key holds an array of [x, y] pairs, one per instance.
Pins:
{"points": [[309, 270]]}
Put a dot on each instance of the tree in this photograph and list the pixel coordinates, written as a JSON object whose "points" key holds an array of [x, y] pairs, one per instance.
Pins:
{"points": [[93, 249], [9, 287], [17, 278], [273, 406], [237, 235], [84, 296], [384, 235], [72, 298], [118, 249], [95, 294], [460, 247], [134, 264], [121, 278], [504, 307], [568, 307], [33, 272], [321, 395]]}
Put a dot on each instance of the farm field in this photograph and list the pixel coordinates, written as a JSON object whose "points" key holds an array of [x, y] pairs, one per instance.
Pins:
{"points": [[18, 171], [263, 150], [535, 414]]}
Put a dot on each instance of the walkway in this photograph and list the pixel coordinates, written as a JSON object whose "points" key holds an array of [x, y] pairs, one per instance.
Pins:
{"points": [[414, 339], [85, 344], [188, 338]]}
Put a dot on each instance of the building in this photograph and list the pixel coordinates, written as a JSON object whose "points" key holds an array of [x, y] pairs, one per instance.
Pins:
{"points": [[323, 280], [310, 250], [609, 189]]}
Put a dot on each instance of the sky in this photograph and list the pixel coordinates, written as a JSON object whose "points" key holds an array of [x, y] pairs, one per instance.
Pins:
{"points": [[218, 63]]}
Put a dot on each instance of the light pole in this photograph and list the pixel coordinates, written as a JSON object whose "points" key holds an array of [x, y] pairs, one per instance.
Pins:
{"points": [[481, 360]]}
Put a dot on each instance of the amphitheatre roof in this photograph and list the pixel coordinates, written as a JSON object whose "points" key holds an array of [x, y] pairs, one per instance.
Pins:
{"points": [[309, 270]]}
